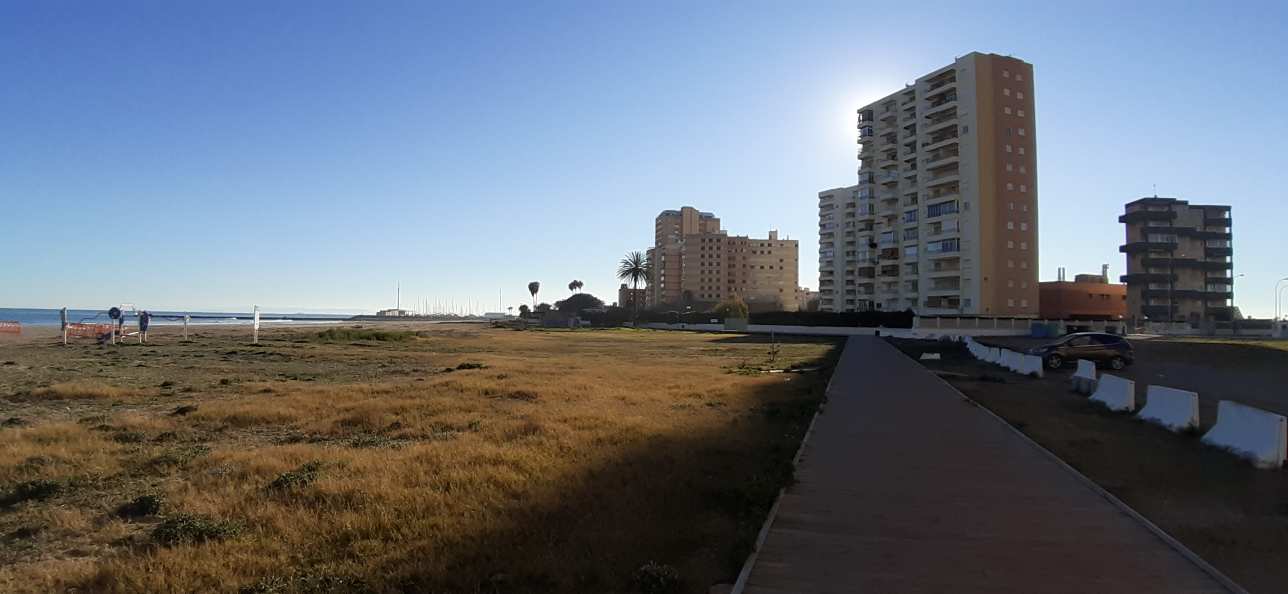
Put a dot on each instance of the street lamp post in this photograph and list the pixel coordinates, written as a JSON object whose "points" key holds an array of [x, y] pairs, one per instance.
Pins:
{"points": [[1277, 283]]}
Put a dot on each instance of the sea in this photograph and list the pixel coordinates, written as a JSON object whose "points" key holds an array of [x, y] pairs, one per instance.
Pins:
{"points": [[50, 317]]}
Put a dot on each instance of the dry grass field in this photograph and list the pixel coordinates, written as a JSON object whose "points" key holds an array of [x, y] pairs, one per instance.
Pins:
{"points": [[432, 459]]}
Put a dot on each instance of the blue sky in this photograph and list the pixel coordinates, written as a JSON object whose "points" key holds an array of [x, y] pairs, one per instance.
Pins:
{"points": [[310, 155]]}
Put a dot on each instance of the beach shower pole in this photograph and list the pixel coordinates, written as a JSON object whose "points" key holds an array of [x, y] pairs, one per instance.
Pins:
{"points": [[186, 317]]}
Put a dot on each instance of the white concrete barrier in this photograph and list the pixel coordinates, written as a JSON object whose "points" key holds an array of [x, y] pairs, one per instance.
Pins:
{"points": [[1033, 365], [1177, 410], [1084, 380], [1252, 433], [1116, 393], [1013, 361]]}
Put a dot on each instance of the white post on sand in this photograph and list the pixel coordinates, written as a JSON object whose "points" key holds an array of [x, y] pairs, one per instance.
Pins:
{"points": [[186, 317], [255, 325]]}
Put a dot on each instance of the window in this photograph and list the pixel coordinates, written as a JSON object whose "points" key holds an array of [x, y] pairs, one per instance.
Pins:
{"points": [[946, 245], [1006, 110], [1009, 167], [1019, 112], [1024, 226], [1010, 224], [1024, 188], [1024, 245], [943, 208], [1010, 244], [1010, 284], [1019, 95], [1019, 76], [1006, 73], [1021, 131], [1006, 92], [1024, 303], [1010, 186], [1024, 264], [1023, 169], [1024, 284], [1010, 303], [1008, 148], [1021, 150], [1026, 208]]}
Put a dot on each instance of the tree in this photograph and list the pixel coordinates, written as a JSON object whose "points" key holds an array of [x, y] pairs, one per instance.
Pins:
{"points": [[543, 308], [635, 267], [524, 310], [533, 287], [732, 307], [578, 303], [575, 286]]}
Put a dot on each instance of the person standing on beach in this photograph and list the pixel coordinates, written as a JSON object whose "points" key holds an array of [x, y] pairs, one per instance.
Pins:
{"points": [[145, 319]]}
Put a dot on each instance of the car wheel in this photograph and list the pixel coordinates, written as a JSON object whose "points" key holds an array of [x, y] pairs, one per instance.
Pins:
{"points": [[1054, 361], [1117, 363]]}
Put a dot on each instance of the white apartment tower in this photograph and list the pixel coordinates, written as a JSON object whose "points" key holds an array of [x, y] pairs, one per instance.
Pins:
{"points": [[944, 218]]}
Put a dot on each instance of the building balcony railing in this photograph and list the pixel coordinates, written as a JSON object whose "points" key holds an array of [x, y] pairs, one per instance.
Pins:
{"points": [[1140, 216], [1147, 277], [1190, 263], [1136, 247], [1218, 252]]}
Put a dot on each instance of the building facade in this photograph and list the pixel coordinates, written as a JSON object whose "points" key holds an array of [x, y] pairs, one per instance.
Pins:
{"points": [[1180, 261], [944, 217], [1087, 297], [630, 298], [697, 264]]}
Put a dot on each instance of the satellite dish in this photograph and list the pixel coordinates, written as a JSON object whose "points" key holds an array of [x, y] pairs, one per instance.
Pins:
{"points": [[114, 313]]}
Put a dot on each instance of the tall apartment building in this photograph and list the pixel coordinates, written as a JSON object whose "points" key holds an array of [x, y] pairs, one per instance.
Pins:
{"points": [[696, 263], [944, 217], [1179, 261]]}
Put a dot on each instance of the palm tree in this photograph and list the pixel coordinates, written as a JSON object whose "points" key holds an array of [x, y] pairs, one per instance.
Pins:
{"points": [[575, 286], [634, 267], [533, 287]]}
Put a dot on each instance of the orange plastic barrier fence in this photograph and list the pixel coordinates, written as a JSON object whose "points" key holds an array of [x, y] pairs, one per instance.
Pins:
{"points": [[78, 330], [10, 328]]}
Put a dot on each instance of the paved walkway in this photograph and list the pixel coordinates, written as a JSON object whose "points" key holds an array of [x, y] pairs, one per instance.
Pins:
{"points": [[906, 487]]}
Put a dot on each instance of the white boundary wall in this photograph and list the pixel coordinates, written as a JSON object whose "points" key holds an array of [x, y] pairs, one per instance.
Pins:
{"points": [[1175, 409], [1084, 380], [1252, 433], [1116, 393]]}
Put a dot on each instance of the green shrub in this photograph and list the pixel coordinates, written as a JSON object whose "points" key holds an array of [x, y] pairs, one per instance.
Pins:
{"points": [[143, 505], [656, 578], [299, 477], [189, 528], [31, 491], [352, 334]]}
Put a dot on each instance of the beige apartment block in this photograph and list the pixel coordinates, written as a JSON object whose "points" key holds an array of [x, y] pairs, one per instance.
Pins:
{"points": [[1179, 261], [697, 264], [944, 217]]}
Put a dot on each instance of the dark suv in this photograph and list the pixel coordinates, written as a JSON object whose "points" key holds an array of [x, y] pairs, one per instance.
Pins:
{"points": [[1098, 347]]}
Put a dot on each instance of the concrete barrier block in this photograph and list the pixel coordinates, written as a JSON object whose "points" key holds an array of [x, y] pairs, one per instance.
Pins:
{"points": [[1252, 433], [1084, 380], [1033, 365], [1177, 410], [1012, 361], [1116, 393]]}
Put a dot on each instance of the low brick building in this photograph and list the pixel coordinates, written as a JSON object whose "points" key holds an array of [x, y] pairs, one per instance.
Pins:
{"points": [[1087, 297]]}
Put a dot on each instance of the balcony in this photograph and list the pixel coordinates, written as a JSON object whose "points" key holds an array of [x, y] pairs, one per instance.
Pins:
{"points": [[1147, 277], [1136, 247], [1189, 263], [1140, 216], [1218, 252]]}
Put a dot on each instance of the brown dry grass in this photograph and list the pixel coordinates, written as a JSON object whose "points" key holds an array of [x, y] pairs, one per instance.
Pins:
{"points": [[82, 389], [565, 464]]}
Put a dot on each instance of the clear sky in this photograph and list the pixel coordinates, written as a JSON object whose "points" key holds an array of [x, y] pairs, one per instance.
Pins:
{"points": [[310, 155]]}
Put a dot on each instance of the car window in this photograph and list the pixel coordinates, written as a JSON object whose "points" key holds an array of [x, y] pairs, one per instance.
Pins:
{"points": [[1079, 341], [1109, 340]]}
